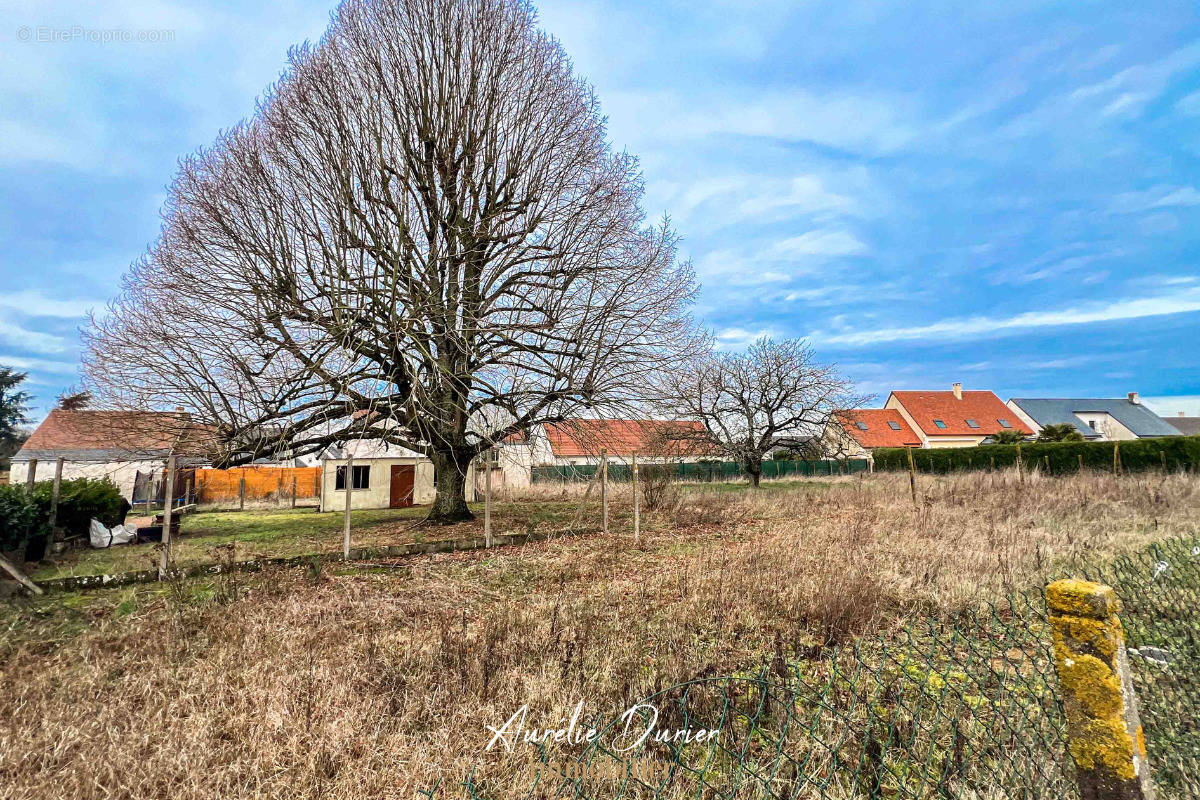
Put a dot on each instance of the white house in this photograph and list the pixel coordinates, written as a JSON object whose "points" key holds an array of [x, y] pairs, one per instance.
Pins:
{"points": [[1098, 419], [107, 444], [383, 476]]}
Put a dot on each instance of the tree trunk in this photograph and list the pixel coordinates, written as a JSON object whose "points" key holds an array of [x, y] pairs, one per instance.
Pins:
{"points": [[754, 471], [450, 480]]}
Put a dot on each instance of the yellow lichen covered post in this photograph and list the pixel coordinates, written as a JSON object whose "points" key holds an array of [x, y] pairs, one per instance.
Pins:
{"points": [[1104, 734]]}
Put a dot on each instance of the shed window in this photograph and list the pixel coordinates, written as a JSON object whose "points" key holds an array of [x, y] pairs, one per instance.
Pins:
{"points": [[1004, 423], [939, 423], [894, 425], [362, 477], [972, 423]]}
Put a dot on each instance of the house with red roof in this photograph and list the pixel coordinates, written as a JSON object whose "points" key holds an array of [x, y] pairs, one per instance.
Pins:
{"points": [[857, 432], [954, 418], [117, 445], [580, 442]]}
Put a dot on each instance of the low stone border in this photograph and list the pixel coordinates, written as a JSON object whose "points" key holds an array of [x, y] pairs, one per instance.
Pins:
{"points": [[77, 582]]}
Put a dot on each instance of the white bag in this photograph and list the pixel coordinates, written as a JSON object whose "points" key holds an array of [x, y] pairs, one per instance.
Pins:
{"points": [[107, 537]]}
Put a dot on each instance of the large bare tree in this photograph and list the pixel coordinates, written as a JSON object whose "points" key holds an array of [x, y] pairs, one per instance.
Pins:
{"points": [[422, 236], [775, 394]]}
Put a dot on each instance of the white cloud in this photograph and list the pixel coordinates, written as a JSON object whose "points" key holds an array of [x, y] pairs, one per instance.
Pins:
{"points": [[16, 336], [1154, 198], [39, 364], [1168, 406], [990, 327], [826, 243], [844, 120], [736, 338], [36, 304]]}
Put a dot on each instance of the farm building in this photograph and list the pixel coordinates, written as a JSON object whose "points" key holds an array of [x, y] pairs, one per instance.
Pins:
{"points": [[954, 418], [382, 475], [1098, 419], [124, 446]]}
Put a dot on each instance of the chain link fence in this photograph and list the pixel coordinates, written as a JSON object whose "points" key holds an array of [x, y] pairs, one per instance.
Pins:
{"points": [[960, 707]]}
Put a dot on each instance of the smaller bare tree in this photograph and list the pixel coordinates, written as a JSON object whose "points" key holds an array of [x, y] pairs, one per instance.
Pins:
{"points": [[774, 394]]}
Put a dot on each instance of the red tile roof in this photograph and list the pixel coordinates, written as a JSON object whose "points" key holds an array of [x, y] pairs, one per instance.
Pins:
{"points": [[879, 432], [131, 431], [623, 437], [985, 408]]}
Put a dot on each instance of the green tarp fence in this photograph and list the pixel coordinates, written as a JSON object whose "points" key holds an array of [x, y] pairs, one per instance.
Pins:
{"points": [[702, 471]]}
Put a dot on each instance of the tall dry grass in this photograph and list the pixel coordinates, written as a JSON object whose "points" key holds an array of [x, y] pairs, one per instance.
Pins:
{"points": [[377, 684]]}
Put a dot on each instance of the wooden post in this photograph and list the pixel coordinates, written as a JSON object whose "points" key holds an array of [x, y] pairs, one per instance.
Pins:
{"points": [[242, 492], [30, 474], [1116, 458], [637, 504], [487, 499], [1080, 457], [54, 495], [21, 577], [1046, 461], [279, 490], [1104, 733], [1020, 465], [912, 476], [349, 484], [604, 486], [293, 490], [1163, 455], [164, 563]]}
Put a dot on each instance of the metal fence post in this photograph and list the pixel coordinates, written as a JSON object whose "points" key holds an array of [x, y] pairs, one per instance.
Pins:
{"points": [[1103, 731]]}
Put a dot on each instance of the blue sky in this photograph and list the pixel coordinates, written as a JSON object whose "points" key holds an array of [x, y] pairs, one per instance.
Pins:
{"points": [[1004, 194]]}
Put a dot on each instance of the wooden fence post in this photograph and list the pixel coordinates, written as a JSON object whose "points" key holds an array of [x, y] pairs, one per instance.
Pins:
{"points": [[912, 476], [349, 484], [1020, 465], [1116, 458], [1080, 457], [1104, 734], [242, 492], [604, 486], [30, 474], [164, 563], [487, 499], [54, 495], [293, 490], [637, 504]]}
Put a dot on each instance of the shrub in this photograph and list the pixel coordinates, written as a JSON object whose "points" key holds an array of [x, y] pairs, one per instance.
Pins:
{"points": [[19, 519], [656, 485], [1173, 452], [79, 502]]}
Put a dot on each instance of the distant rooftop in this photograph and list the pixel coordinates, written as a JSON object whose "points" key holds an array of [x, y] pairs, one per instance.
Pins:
{"points": [[1140, 420]]}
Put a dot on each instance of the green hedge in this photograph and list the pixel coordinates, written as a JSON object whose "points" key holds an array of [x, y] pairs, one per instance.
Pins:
{"points": [[1173, 452], [25, 518], [702, 471]]}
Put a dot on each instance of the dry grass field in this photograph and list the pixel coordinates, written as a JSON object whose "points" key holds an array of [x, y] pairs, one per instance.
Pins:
{"points": [[378, 680]]}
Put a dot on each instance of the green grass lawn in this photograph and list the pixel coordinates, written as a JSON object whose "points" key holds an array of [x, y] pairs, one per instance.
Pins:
{"points": [[269, 533]]}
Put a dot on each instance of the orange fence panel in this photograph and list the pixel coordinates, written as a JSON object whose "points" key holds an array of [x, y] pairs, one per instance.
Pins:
{"points": [[262, 483]]}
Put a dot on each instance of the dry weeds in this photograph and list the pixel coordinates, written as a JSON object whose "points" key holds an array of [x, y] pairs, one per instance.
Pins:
{"points": [[378, 683]]}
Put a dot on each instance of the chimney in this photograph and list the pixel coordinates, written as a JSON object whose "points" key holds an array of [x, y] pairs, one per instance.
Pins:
{"points": [[1133, 398], [957, 387], [1183, 413], [178, 409]]}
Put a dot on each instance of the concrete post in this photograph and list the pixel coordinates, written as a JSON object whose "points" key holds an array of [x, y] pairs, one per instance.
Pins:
{"points": [[349, 485], [1104, 734]]}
